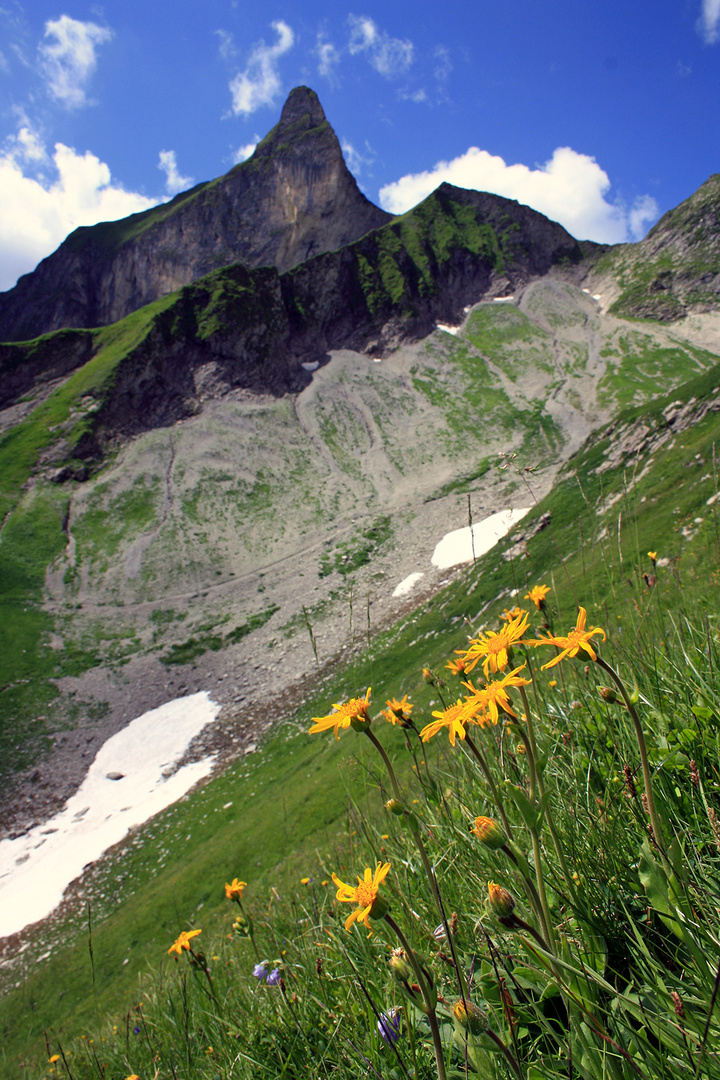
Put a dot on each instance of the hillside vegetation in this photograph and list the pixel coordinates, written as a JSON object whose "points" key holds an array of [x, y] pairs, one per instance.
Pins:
{"points": [[648, 481]]}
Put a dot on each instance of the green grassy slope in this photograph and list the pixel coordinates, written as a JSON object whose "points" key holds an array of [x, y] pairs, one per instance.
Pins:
{"points": [[602, 519]]}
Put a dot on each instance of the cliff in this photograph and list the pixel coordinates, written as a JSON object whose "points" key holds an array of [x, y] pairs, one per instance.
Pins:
{"points": [[293, 199]]}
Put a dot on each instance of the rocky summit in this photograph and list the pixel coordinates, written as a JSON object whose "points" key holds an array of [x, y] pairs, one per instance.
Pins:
{"points": [[292, 199]]}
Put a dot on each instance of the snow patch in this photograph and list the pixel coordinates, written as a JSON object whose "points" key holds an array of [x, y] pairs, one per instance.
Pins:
{"points": [[408, 584], [457, 547], [131, 779]]}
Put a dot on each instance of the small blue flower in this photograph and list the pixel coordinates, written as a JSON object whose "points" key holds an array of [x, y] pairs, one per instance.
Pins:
{"points": [[389, 1026], [259, 970], [274, 977]]}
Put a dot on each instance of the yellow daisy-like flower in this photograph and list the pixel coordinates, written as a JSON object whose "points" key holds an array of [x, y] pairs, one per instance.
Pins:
{"points": [[509, 615], [53, 1059], [537, 595], [495, 647], [183, 942], [235, 890], [364, 895], [456, 667], [352, 713], [578, 638], [398, 712], [652, 556], [453, 718], [493, 697]]}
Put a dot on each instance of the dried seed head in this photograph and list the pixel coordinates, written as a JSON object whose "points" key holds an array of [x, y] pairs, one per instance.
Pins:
{"points": [[677, 1002], [630, 782]]}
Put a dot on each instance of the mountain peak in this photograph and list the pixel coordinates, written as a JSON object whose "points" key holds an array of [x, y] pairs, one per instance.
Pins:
{"points": [[293, 199], [302, 102]]}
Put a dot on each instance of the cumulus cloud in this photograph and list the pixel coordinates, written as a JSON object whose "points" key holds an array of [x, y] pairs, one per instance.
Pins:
{"points": [[38, 211], [174, 182], [244, 152], [259, 84], [389, 56], [643, 213], [569, 188], [709, 22], [68, 59]]}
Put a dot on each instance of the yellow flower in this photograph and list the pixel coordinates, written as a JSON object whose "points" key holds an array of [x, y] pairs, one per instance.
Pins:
{"points": [[133, 1077], [456, 667], [364, 895], [494, 696], [398, 712], [235, 891], [454, 718], [509, 614], [578, 638], [53, 1059], [183, 942], [537, 594], [496, 648], [652, 556], [305, 880], [353, 713]]}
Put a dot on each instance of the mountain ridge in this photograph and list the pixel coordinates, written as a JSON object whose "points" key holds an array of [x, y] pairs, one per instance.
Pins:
{"points": [[293, 198]]}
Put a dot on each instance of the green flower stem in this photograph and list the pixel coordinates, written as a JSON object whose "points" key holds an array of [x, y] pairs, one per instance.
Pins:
{"points": [[527, 883], [424, 990], [537, 855], [490, 782], [546, 919], [415, 829], [647, 775], [509, 1056], [541, 788], [388, 765]]}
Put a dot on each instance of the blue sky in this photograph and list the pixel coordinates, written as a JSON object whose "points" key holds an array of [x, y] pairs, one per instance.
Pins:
{"points": [[601, 115]]}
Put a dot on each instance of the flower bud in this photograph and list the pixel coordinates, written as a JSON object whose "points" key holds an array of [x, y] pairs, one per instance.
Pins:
{"points": [[501, 903], [607, 693], [489, 833], [394, 806], [469, 1016], [399, 966]]}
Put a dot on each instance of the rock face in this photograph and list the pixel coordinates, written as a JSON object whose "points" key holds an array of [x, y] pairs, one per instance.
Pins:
{"points": [[293, 199], [675, 270], [254, 328]]}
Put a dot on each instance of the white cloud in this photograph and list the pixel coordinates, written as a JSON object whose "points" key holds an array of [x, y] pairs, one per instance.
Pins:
{"points": [[328, 57], [174, 182], [259, 84], [37, 212], [569, 188], [244, 152], [642, 214], [443, 64], [356, 160], [709, 22], [227, 45], [67, 58], [389, 56]]}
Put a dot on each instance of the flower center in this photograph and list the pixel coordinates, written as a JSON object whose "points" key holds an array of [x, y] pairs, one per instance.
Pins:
{"points": [[365, 894]]}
